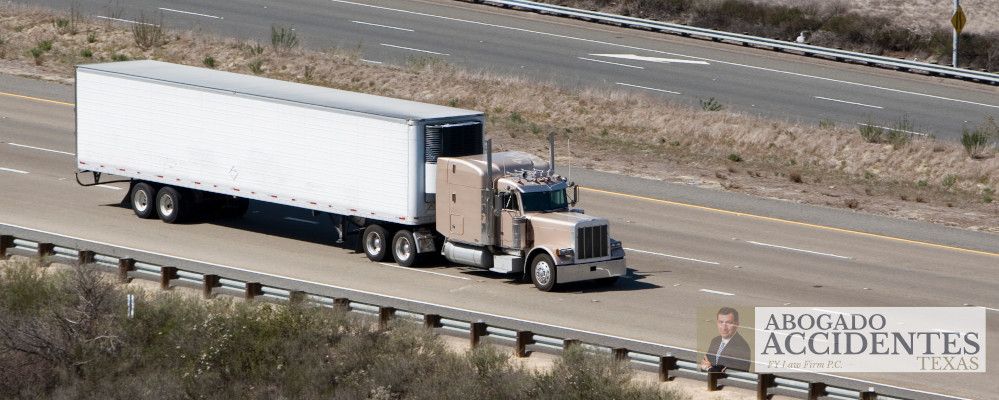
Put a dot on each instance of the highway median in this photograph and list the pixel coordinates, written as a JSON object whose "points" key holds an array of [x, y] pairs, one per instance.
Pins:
{"points": [[885, 167]]}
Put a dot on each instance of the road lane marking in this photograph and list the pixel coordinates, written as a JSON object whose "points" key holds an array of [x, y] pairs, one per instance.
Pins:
{"points": [[108, 187], [670, 256], [301, 220], [665, 52], [412, 49], [893, 129], [849, 102], [717, 292], [371, 61], [191, 13], [21, 96], [124, 20], [790, 222], [424, 271], [16, 171], [799, 250], [612, 63], [383, 26], [664, 347], [41, 148], [646, 88], [652, 59]]}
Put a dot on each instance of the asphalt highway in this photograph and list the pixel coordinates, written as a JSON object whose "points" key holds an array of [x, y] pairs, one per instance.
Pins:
{"points": [[683, 258], [579, 54]]}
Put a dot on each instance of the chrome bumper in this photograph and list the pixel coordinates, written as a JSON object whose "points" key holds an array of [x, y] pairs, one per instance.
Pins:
{"points": [[589, 271]]}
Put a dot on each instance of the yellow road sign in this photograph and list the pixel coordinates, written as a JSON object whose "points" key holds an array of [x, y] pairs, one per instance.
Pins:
{"points": [[958, 20]]}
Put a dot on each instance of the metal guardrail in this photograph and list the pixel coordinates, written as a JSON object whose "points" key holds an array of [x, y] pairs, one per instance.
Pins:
{"points": [[524, 336], [747, 40]]}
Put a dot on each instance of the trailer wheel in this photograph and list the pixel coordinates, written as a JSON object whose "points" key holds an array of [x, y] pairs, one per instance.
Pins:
{"points": [[171, 205], [375, 242], [404, 248], [143, 199], [543, 272]]}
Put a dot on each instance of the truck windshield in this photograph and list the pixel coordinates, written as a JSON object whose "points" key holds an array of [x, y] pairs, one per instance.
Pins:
{"points": [[544, 201]]}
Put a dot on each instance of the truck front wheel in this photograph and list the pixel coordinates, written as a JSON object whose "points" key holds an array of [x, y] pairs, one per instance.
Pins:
{"points": [[543, 272], [375, 242], [404, 248], [172, 204], [144, 200]]}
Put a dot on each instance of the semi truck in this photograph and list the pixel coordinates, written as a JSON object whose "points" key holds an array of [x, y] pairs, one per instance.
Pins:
{"points": [[399, 179]]}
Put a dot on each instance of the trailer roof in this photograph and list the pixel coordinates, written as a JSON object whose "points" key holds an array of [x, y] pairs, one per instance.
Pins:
{"points": [[279, 90]]}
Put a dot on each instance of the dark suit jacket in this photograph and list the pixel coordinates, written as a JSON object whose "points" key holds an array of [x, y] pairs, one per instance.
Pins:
{"points": [[735, 355]]}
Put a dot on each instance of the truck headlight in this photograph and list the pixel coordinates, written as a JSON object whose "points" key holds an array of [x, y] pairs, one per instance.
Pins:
{"points": [[566, 252], [616, 244]]}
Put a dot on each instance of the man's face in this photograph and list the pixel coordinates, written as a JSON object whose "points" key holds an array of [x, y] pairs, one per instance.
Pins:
{"points": [[727, 325]]}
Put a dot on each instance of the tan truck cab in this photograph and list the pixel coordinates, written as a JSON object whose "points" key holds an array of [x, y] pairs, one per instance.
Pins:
{"points": [[517, 218]]}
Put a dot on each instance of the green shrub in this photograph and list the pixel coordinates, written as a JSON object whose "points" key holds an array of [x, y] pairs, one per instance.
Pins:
{"points": [[91, 37], [711, 105], [209, 61], [118, 57], [283, 38], [981, 141], [44, 45], [256, 66], [734, 157], [148, 33]]}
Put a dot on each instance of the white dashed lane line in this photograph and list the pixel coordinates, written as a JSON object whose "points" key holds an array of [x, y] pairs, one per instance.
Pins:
{"points": [[383, 26], [798, 250], [24, 146], [716, 292], [412, 49], [16, 171], [191, 13], [671, 256], [848, 102], [646, 88], [612, 63]]}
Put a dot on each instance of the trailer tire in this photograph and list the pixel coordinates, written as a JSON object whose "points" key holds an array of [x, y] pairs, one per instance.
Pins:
{"points": [[143, 200], [543, 272], [375, 243], [404, 248], [172, 204]]}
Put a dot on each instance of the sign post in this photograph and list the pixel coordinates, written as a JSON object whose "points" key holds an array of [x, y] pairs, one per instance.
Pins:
{"points": [[958, 21]]}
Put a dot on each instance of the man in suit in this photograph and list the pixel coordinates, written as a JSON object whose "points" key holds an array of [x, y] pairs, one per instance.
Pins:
{"points": [[728, 349]]}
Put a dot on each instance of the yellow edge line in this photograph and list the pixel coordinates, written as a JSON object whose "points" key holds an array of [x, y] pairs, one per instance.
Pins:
{"points": [[686, 205], [829, 228], [21, 96]]}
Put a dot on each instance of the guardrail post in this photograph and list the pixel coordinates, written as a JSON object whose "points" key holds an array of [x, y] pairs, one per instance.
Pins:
{"points": [[666, 364], [763, 384], [211, 282], [6, 242], [569, 343], [431, 321], [816, 390], [125, 265], [869, 394], [341, 304], [478, 330], [713, 378], [85, 257], [385, 315], [166, 275], [524, 338], [45, 249], [296, 296], [620, 353], [253, 289]]}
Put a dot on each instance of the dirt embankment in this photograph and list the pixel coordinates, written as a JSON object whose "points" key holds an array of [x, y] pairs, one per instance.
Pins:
{"points": [[618, 131]]}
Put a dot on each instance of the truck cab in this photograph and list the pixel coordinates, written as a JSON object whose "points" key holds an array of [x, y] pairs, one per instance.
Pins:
{"points": [[517, 218]]}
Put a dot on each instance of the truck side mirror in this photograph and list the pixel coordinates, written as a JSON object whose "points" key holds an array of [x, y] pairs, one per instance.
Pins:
{"points": [[575, 194]]}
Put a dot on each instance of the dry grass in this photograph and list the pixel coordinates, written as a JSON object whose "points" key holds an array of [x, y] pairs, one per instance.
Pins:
{"points": [[662, 140], [983, 15]]}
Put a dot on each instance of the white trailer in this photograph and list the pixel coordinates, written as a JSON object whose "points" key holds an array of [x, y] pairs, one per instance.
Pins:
{"points": [[327, 150]]}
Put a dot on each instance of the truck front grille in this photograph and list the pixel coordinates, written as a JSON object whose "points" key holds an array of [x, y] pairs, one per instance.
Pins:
{"points": [[591, 242]]}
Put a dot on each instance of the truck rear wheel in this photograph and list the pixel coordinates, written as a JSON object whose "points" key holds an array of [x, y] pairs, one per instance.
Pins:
{"points": [[375, 242], [143, 198], [171, 205], [543, 272], [404, 248]]}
